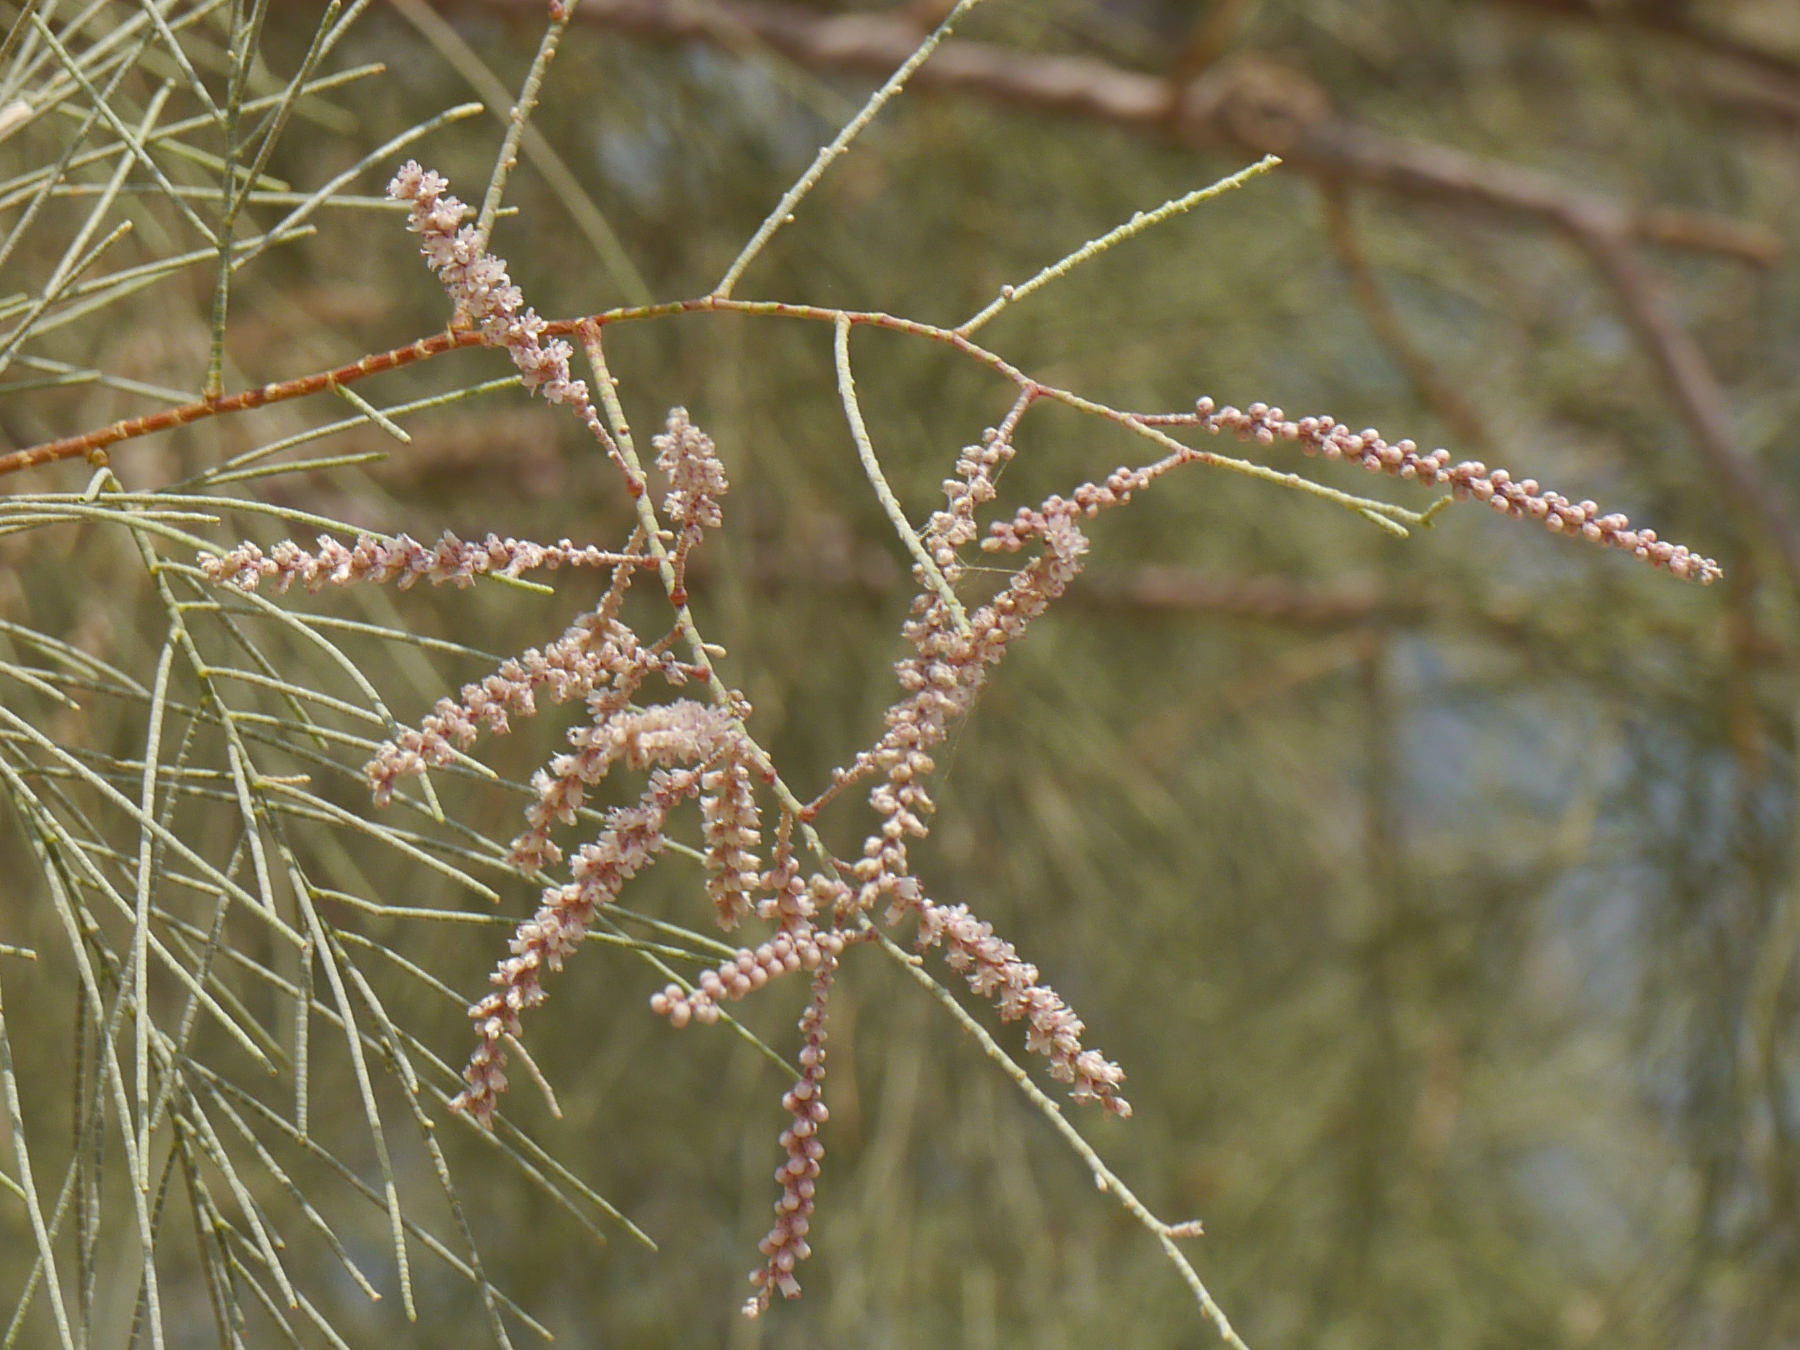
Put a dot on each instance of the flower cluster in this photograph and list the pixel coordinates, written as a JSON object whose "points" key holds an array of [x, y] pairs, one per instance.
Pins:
{"points": [[682, 742], [1056, 517], [731, 826], [1403, 459], [790, 903], [632, 839], [994, 970], [751, 969], [785, 1245], [799, 944], [692, 750], [690, 462], [403, 561], [681, 732], [976, 469], [483, 291], [940, 683], [597, 651], [942, 680]]}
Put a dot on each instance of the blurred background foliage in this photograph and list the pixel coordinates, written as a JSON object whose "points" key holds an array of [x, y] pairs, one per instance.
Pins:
{"points": [[1438, 896]]}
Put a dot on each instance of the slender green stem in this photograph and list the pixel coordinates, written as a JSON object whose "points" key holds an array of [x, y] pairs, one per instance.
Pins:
{"points": [[119, 129], [508, 158], [27, 1187], [140, 935], [1104, 1177], [372, 413], [784, 209], [1140, 222], [865, 450]]}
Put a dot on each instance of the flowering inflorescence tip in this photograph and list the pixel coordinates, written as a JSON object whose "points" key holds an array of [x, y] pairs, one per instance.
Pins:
{"points": [[484, 294], [1471, 479]]}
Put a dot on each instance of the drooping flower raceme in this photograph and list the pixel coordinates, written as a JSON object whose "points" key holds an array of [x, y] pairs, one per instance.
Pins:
{"points": [[678, 740], [483, 292]]}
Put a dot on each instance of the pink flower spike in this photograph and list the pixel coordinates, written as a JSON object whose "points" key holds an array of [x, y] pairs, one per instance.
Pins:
{"points": [[483, 293]]}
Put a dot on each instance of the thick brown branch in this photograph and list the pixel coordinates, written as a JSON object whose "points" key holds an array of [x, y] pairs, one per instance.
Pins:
{"points": [[1243, 104], [1697, 394], [1271, 110], [1212, 37]]}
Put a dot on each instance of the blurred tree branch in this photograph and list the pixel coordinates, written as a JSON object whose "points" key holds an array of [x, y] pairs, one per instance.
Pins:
{"points": [[1245, 103], [1212, 36], [1733, 71], [1435, 390]]}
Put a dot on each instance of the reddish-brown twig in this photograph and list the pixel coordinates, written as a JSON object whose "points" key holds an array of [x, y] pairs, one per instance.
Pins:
{"points": [[75, 447]]}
